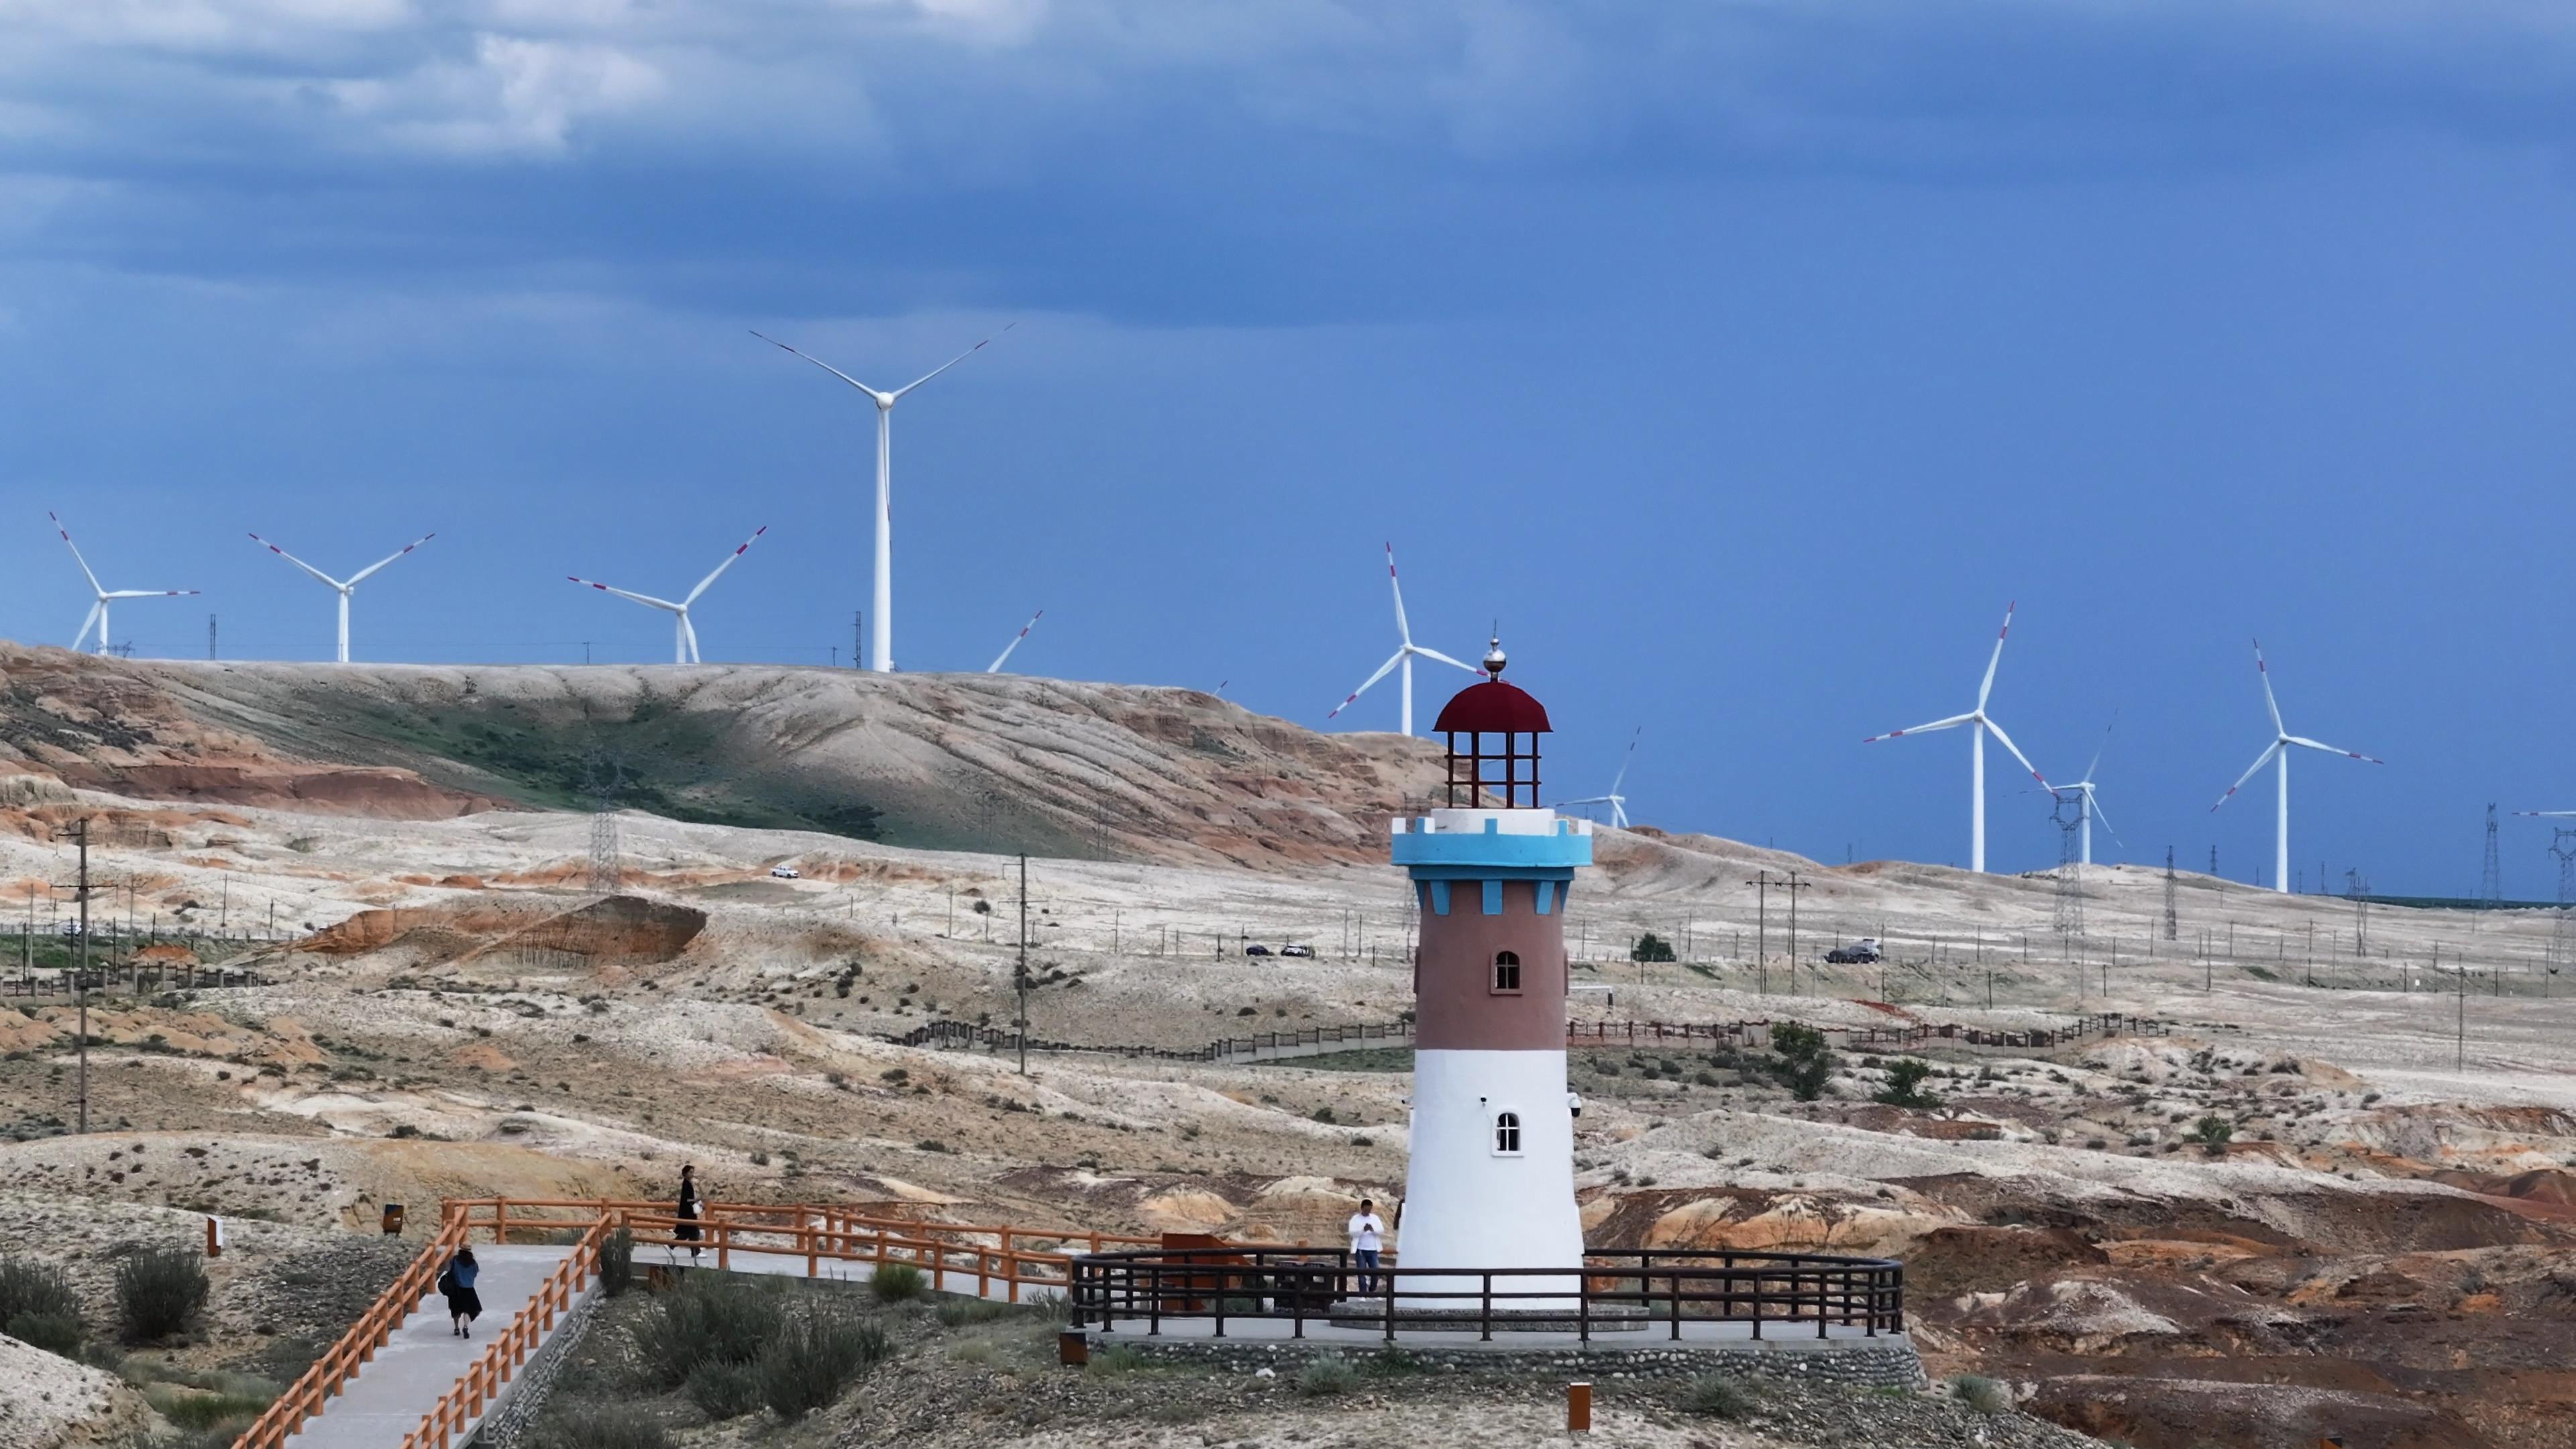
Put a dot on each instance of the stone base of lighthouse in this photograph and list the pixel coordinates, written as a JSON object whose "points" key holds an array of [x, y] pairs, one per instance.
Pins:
{"points": [[1491, 1182]]}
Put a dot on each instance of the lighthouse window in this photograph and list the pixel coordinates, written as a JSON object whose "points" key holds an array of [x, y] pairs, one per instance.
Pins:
{"points": [[1507, 971], [1507, 1134]]}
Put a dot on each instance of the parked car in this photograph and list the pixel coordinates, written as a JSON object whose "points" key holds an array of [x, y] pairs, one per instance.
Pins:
{"points": [[1307, 951], [1256, 949], [1862, 952], [784, 872]]}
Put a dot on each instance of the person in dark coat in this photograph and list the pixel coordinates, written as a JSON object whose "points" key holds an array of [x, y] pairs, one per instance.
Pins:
{"points": [[464, 1305], [687, 1212]]}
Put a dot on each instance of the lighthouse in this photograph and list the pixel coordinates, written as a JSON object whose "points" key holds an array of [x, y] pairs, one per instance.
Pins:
{"points": [[1490, 1183]]}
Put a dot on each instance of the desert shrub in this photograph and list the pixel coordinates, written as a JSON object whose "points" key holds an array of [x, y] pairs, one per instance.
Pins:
{"points": [[1119, 1359], [1803, 1065], [617, 1262], [1715, 1396], [1651, 947], [158, 1292], [967, 1312], [898, 1283], [1323, 1114], [1389, 1363], [723, 1390], [2212, 1133], [709, 1318], [1327, 1376], [814, 1358], [1980, 1393], [201, 1411], [589, 1425], [1905, 1085], [1706, 1079], [53, 1332], [37, 1298]]}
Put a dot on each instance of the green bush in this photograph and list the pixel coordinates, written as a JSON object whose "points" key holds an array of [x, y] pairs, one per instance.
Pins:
{"points": [[159, 1291], [1117, 1359], [1650, 947], [709, 1318], [207, 1411], [1327, 1376], [617, 1263], [1905, 1085], [1803, 1065], [52, 1332], [1715, 1397], [2213, 1133], [32, 1290], [815, 1357], [723, 1390], [1980, 1393], [898, 1283], [602, 1426], [967, 1312]]}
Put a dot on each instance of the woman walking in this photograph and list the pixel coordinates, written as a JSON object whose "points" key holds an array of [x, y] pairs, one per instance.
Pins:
{"points": [[464, 1305], [687, 1229]]}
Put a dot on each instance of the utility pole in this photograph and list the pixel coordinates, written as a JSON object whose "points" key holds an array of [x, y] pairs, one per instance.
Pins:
{"points": [[2491, 875], [2460, 1032], [210, 636], [1795, 885], [1761, 884], [859, 639], [1022, 980], [2172, 918], [79, 832]]}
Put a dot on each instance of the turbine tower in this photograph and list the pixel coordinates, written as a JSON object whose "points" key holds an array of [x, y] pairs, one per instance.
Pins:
{"points": [[1402, 658], [1617, 802], [2090, 808], [996, 666], [882, 635], [347, 588], [1979, 723], [98, 610], [684, 648], [2279, 749]]}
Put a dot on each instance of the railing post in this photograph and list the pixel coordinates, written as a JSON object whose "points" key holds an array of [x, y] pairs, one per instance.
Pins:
{"points": [[500, 1221], [1582, 1305], [1386, 1285], [1677, 1300], [1485, 1310]]}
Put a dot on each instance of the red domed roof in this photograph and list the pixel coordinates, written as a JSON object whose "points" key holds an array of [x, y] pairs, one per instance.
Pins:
{"points": [[1493, 708]]}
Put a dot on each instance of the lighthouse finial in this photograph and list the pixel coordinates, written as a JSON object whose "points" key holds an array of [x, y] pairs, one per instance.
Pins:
{"points": [[1494, 658]]}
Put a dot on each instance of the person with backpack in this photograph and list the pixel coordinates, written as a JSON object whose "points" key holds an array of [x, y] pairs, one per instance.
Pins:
{"points": [[456, 1281]]}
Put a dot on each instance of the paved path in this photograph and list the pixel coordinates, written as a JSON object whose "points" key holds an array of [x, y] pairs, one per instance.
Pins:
{"points": [[424, 1358], [1787, 1337], [792, 1265]]}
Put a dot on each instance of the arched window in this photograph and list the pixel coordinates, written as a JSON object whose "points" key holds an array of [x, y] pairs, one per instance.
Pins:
{"points": [[1507, 1134], [1507, 971]]}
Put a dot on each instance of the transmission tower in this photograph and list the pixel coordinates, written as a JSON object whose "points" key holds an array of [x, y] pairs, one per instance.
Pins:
{"points": [[603, 776], [2491, 877], [2562, 936], [2070, 883], [2173, 920]]}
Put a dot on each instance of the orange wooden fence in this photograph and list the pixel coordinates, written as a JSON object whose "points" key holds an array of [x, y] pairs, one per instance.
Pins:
{"points": [[340, 1362], [464, 1402]]}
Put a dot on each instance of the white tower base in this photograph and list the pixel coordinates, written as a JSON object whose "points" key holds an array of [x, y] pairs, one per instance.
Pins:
{"points": [[1469, 1205]]}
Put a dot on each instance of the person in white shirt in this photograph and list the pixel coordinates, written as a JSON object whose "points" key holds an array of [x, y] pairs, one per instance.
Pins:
{"points": [[1367, 1237]]}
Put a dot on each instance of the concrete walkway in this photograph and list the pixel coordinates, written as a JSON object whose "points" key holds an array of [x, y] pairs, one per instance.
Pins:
{"points": [[792, 1265], [424, 1358], [1784, 1336]]}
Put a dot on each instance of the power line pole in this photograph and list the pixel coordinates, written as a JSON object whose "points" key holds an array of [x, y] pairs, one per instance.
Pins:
{"points": [[210, 636], [1761, 884], [79, 832], [1022, 976], [1795, 885], [859, 639], [2173, 923], [2491, 876]]}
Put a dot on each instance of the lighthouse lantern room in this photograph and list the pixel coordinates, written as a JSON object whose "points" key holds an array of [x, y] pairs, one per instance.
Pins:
{"points": [[1491, 1178]]}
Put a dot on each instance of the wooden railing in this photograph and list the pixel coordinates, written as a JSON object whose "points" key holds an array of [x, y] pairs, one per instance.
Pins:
{"points": [[461, 1407], [340, 1362]]}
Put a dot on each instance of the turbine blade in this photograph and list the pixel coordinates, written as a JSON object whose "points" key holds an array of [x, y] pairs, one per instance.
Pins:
{"points": [[1382, 671], [2547, 814], [95, 586], [1953, 722], [1403, 630], [689, 631], [996, 666], [1625, 761], [2269, 702], [86, 621], [2260, 761], [2334, 750], [361, 574], [147, 593], [2095, 805], [645, 599], [2098, 749], [818, 362], [2018, 755], [1988, 686], [952, 362], [728, 563], [1445, 659], [299, 563]]}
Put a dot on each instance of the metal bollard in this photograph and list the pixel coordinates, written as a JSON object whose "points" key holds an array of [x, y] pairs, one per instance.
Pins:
{"points": [[1578, 1408]]}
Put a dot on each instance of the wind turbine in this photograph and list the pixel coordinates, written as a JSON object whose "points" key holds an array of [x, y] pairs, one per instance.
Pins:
{"points": [[2282, 739], [345, 589], [883, 632], [1406, 649], [1617, 802], [2090, 808], [996, 666], [98, 611], [1980, 723], [684, 649]]}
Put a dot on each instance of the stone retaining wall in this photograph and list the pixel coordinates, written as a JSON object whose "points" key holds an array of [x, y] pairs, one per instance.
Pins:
{"points": [[1888, 1361], [525, 1396]]}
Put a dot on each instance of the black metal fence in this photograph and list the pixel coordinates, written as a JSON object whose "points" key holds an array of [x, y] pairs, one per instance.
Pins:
{"points": [[1625, 1291]]}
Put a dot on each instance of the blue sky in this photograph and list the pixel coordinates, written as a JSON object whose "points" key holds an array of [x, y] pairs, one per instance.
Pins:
{"points": [[1744, 358]]}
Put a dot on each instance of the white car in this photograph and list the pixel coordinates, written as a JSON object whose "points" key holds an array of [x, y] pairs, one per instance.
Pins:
{"points": [[783, 872]]}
